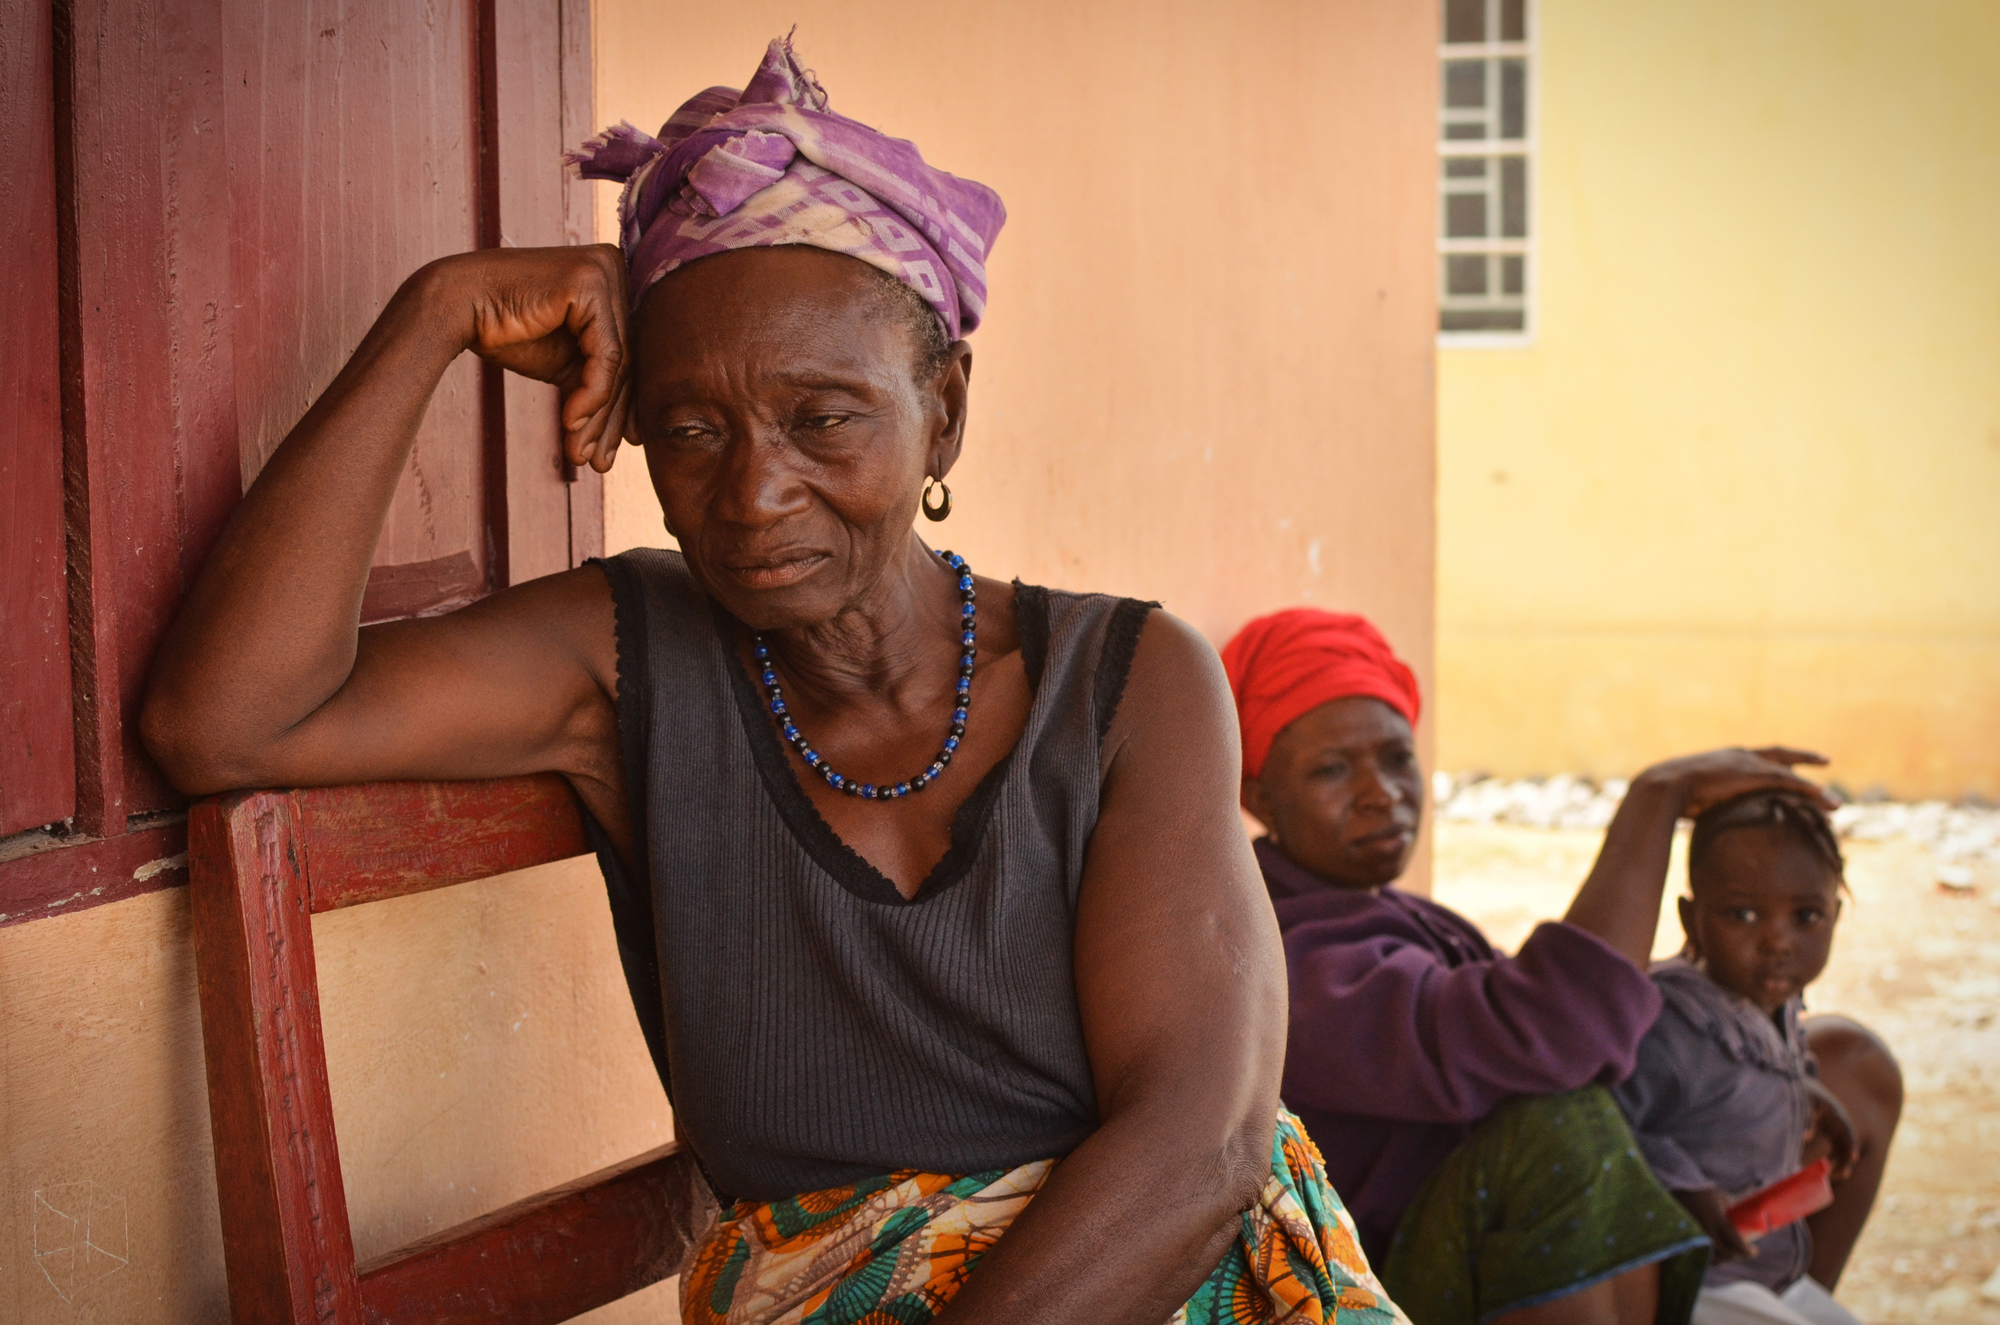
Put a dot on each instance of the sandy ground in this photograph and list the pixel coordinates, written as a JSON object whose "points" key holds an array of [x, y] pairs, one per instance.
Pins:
{"points": [[1920, 964]]}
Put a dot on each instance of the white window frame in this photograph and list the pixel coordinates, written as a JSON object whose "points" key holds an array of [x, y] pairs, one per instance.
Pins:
{"points": [[1528, 147]]}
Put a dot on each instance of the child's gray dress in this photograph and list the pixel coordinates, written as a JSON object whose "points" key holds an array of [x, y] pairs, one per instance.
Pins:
{"points": [[1719, 1100]]}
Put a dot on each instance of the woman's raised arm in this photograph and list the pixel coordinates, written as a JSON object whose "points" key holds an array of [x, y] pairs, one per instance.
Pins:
{"points": [[1620, 899], [266, 677]]}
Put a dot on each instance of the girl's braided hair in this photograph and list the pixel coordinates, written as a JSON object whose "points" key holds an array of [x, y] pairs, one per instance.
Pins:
{"points": [[1787, 811]]}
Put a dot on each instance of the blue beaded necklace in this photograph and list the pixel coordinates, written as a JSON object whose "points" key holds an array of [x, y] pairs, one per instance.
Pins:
{"points": [[868, 791]]}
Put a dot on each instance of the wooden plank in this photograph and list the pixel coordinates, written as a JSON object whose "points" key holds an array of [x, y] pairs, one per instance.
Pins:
{"points": [[145, 445], [386, 839], [586, 511], [43, 876], [172, 490], [578, 110], [421, 588], [586, 490], [353, 161], [115, 383], [149, 441], [37, 743], [286, 1239], [201, 298], [537, 481], [528, 72], [527, 138], [535, 101], [492, 379], [550, 1257]]}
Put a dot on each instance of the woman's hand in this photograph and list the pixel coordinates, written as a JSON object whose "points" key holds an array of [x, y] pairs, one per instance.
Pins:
{"points": [[557, 315], [1700, 782], [1831, 1131], [1710, 1209], [1620, 901]]}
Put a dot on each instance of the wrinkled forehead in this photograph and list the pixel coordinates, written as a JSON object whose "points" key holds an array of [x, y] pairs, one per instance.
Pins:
{"points": [[775, 304], [1352, 720], [1352, 725]]}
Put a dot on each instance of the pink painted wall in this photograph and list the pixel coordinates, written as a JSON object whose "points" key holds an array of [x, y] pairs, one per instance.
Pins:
{"points": [[1206, 373]]}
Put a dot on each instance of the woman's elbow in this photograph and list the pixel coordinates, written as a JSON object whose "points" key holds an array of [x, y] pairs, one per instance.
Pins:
{"points": [[1246, 1162], [1209, 1147], [182, 741]]}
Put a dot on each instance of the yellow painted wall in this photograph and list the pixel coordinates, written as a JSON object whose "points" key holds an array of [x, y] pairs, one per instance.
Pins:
{"points": [[1745, 483]]}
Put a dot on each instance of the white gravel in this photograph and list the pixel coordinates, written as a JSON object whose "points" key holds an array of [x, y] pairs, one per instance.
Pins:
{"points": [[1959, 837]]}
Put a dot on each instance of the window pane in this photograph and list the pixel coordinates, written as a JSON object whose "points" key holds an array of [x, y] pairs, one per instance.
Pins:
{"points": [[1483, 183], [1465, 84], [1482, 319], [1465, 20], [1513, 98], [1514, 197], [1465, 273], [1465, 216]]}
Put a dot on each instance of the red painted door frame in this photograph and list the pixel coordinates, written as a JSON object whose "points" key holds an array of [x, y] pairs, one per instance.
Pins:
{"points": [[194, 179], [38, 775]]}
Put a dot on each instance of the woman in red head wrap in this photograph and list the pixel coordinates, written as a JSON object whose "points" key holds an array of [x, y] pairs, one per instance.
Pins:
{"points": [[1457, 1093], [1301, 677]]}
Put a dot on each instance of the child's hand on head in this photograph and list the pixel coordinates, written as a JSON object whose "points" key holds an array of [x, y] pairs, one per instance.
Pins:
{"points": [[1710, 1209], [1831, 1131]]}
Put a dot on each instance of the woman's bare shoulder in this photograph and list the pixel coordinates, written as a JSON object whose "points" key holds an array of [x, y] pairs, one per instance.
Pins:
{"points": [[1176, 695]]}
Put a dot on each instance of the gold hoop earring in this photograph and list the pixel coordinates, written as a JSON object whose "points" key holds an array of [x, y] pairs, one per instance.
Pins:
{"points": [[943, 508]]}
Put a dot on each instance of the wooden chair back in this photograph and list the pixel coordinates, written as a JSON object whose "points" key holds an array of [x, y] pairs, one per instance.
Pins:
{"points": [[261, 864]]}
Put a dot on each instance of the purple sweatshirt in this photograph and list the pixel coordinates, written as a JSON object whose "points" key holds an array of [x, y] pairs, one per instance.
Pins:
{"points": [[1407, 1028]]}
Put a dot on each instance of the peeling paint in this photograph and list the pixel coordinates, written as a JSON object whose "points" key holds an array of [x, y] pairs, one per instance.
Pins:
{"points": [[160, 866]]}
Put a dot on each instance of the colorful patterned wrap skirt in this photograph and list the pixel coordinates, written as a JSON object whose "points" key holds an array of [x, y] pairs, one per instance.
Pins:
{"points": [[893, 1250]]}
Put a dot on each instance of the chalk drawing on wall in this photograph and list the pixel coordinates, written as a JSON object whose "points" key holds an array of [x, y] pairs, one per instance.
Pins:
{"points": [[79, 1235]]}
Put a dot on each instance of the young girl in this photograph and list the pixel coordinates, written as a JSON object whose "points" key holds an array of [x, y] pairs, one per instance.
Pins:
{"points": [[1725, 1099]]}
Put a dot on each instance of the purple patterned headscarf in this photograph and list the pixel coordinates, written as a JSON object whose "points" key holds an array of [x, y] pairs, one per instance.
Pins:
{"points": [[772, 165]]}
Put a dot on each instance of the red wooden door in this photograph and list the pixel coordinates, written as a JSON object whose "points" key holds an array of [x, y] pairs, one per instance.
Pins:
{"points": [[228, 192], [37, 753], [332, 203]]}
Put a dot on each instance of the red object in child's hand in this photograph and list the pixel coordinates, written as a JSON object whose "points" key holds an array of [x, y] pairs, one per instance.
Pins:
{"points": [[1788, 1199]]}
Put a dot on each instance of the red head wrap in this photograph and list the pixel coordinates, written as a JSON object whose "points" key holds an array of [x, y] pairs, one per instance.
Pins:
{"points": [[1285, 665]]}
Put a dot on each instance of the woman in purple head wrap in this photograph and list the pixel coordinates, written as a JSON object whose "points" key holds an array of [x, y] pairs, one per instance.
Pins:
{"points": [[930, 888]]}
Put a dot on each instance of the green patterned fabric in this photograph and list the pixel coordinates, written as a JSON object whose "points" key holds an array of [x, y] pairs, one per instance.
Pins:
{"points": [[1547, 1197]]}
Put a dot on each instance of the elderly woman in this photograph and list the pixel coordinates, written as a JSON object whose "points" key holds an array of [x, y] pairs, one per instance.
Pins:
{"points": [[1459, 1093], [930, 886]]}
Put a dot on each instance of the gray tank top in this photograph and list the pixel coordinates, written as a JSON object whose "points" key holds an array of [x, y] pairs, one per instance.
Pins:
{"points": [[813, 1027]]}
